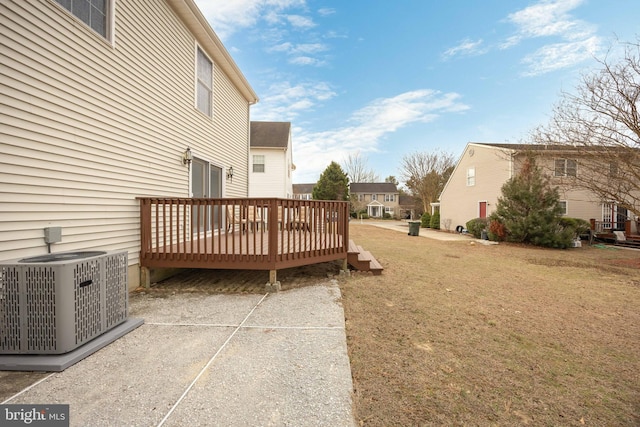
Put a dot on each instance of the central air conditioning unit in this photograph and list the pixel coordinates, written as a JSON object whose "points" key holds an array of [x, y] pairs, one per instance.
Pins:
{"points": [[55, 303]]}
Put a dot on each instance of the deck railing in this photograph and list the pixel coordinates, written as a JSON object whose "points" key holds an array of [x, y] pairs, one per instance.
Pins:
{"points": [[248, 233]]}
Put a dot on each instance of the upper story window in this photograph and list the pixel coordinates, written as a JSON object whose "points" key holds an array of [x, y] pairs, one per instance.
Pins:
{"points": [[95, 13], [374, 197], [565, 167], [360, 197], [204, 91], [389, 198], [471, 177], [258, 163]]}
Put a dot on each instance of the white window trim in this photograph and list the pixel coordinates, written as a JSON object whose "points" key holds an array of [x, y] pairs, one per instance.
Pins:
{"points": [[195, 82], [110, 25], [471, 176], [566, 207], [563, 173], [254, 163]]}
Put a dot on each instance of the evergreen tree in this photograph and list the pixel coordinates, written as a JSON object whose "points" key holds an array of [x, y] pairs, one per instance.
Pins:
{"points": [[332, 185], [530, 209]]}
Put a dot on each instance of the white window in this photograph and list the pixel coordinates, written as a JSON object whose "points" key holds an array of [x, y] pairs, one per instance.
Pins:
{"points": [[388, 209], [258, 163], [471, 177], [360, 197], [204, 90], [566, 167], [564, 206], [95, 13], [389, 197], [374, 197]]}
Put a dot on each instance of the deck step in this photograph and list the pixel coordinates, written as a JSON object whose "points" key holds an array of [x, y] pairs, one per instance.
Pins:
{"points": [[362, 260]]}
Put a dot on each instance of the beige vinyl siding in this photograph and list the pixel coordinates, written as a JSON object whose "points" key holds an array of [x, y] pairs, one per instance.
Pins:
{"points": [[459, 202], [580, 203], [231, 129], [87, 126]]}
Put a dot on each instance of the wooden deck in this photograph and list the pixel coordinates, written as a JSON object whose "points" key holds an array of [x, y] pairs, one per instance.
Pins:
{"points": [[252, 234]]}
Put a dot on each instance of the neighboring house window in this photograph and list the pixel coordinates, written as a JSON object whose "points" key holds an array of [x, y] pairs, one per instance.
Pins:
{"points": [[204, 90], [563, 205], [374, 197], [94, 13], [258, 163], [389, 197], [471, 177], [566, 167]]}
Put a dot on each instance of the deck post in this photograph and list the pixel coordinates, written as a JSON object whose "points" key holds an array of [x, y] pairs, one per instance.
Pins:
{"points": [[272, 285], [145, 277]]}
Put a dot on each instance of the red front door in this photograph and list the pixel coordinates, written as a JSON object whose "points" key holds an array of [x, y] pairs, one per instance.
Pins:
{"points": [[483, 209]]}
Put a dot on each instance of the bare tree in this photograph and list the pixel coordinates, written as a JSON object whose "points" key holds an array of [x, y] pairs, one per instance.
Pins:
{"points": [[425, 174], [356, 168], [600, 123]]}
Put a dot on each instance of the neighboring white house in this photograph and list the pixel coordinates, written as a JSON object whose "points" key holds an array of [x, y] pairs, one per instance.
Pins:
{"points": [[303, 191], [105, 102], [271, 160], [476, 183]]}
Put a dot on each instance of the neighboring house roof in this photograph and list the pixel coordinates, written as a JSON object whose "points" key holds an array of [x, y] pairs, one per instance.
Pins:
{"points": [[193, 18], [270, 134], [373, 187], [406, 200], [303, 188], [543, 147]]}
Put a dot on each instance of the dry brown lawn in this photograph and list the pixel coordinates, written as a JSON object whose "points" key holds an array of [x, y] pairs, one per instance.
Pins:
{"points": [[459, 334]]}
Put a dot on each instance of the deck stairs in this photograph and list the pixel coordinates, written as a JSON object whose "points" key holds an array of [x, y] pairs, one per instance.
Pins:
{"points": [[362, 260]]}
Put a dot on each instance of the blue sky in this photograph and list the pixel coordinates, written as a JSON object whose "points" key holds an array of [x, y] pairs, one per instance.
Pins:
{"points": [[389, 78]]}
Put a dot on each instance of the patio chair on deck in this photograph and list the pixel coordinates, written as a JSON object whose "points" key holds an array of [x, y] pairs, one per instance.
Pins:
{"points": [[255, 218], [234, 218], [300, 220]]}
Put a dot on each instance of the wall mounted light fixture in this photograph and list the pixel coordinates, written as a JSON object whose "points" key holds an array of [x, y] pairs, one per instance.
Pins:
{"points": [[187, 157], [230, 173]]}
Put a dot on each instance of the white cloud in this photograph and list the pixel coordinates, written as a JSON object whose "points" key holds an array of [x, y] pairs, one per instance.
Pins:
{"points": [[367, 127], [300, 21], [226, 17], [285, 102], [326, 11], [465, 47], [560, 55], [551, 19]]}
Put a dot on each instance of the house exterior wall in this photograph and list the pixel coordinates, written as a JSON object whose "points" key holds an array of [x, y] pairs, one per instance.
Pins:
{"points": [[493, 167], [89, 125], [580, 202], [276, 180], [460, 202], [362, 200]]}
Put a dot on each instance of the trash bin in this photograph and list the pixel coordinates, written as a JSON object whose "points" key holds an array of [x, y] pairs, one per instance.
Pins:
{"points": [[484, 235], [414, 228]]}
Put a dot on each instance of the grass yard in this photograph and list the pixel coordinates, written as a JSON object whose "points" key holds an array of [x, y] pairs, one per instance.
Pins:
{"points": [[460, 334]]}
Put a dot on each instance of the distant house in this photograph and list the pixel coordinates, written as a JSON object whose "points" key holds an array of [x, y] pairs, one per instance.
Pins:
{"points": [[377, 198], [476, 182], [303, 191], [271, 160], [101, 106], [409, 207]]}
